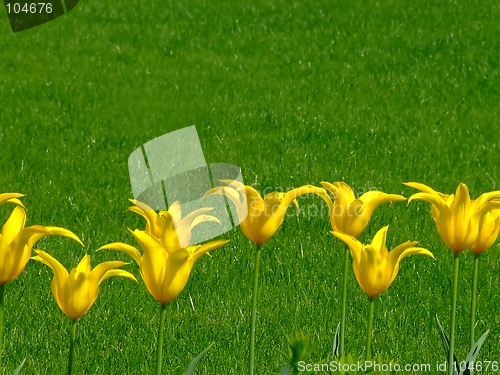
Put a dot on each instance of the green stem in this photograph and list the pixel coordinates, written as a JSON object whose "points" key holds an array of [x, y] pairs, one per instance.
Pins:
{"points": [[159, 345], [254, 308], [2, 289], [344, 302], [370, 329], [453, 314], [72, 345], [473, 300]]}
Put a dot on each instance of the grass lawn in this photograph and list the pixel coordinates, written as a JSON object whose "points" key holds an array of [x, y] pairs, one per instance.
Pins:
{"points": [[371, 93]]}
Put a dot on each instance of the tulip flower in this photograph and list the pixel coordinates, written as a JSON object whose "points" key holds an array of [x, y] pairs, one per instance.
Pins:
{"points": [[487, 233], [462, 223], [16, 243], [6, 198], [259, 219], [457, 217], [167, 256], [376, 268], [165, 270], [76, 292], [350, 215], [170, 227], [489, 226]]}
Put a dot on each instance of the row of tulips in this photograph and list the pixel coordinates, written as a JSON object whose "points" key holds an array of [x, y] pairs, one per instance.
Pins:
{"points": [[168, 256]]}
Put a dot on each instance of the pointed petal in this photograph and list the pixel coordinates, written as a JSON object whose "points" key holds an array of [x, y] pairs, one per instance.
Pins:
{"points": [[421, 187], [11, 197], [173, 277], [167, 233], [145, 211], [379, 240], [486, 197], [56, 231], [275, 207], [203, 219], [14, 224], [100, 270], [374, 198], [29, 236], [354, 245], [402, 251], [120, 273], [124, 248], [205, 248], [175, 211], [153, 260], [234, 196], [84, 265], [433, 199], [60, 273]]}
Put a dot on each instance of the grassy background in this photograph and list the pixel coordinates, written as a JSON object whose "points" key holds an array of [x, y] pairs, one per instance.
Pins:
{"points": [[370, 93]]}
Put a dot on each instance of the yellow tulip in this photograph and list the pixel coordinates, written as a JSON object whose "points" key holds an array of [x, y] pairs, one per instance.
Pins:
{"points": [[489, 226], [76, 292], [169, 227], [167, 258], [349, 214], [458, 218], [374, 266], [17, 241], [260, 218]]}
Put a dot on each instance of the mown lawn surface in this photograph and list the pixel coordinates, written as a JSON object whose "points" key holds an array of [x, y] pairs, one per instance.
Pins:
{"points": [[371, 93]]}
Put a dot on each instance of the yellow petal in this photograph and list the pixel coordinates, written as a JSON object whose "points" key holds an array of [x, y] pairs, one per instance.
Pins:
{"points": [[124, 248], [402, 251], [167, 232], [14, 224], [56, 231], [354, 245], [146, 212], [60, 275], [99, 272], [11, 198], [173, 277], [120, 273], [205, 248], [153, 260]]}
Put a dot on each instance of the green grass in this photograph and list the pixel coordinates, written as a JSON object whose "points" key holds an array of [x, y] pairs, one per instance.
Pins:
{"points": [[370, 93]]}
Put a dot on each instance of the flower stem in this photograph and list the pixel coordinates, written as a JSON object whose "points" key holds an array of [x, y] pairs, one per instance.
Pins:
{"points": [[344, 302], [254, 308], [473, 300], [453, 315], [72, 345], [159, 345], [2, 289], [370, 328]]}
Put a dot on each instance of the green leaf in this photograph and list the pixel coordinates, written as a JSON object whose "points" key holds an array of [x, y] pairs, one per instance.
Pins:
{"points": [[336, 342], [194, 362], [474, 352], [446, 343], [286, 369], [17, 371]]}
